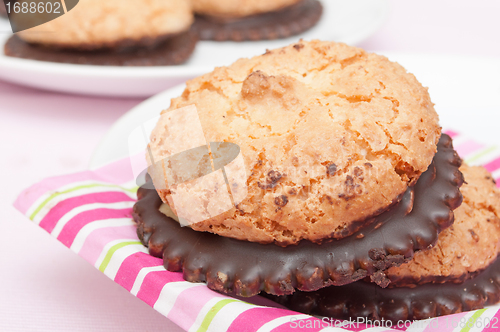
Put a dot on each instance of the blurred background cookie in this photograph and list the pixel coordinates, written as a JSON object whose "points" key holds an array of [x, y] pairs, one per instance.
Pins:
{"points": [[241, 20], [230, 9], [114, 32]]}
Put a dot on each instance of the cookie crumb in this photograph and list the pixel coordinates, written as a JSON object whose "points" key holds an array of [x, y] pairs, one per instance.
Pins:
{"points": [[376, 254], [274, 176], [298, 47], [272, 179], [331, 169], [475, 237], [380, 279], [281, 201], [358, 171], [222, 277]]}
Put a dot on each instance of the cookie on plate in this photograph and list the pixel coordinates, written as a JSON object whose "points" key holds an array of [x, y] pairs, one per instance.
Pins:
{"points": [[330, 136], [461, 273], [114, 32], [240, 20]]}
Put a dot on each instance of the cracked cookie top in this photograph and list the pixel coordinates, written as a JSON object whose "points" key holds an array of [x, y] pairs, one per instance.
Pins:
{"points": [[470, 245], [95, 24], [330, 136], [239, 8]]}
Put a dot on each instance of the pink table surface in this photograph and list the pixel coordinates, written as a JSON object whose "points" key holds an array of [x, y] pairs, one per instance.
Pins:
{"points": [[44, 286]]}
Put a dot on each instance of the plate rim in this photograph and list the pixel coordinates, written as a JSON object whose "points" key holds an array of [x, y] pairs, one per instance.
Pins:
{"points": [[94, 162], [74, 71]]}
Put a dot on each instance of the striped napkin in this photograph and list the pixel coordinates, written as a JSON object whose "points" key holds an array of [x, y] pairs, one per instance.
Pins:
{"points": [[90, 213]]}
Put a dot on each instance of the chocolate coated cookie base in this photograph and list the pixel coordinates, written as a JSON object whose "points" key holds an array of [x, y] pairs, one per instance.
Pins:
{"points": [[247, 268], [280, 24], [173, 51], [364, 299]]}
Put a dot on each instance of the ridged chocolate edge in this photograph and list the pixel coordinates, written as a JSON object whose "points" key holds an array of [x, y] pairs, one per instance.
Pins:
{"points": [[245, 268], [280, 24], [363, 299]]}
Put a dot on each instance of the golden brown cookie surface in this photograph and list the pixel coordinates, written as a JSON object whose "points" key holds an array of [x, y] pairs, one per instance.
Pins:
{"points": [[339, 132], [95, 24], [469, 245]]}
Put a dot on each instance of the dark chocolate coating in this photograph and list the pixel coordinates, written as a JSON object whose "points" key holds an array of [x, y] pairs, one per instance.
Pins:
{"points": [[172, 51], [246, 268], [364, 299], [284, 23]]}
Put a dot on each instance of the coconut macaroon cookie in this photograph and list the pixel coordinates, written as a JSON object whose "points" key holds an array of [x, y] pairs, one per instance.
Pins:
{"points": [[461, 273], [245, 268], [123, 28], [239, 20], [330, 135], [96, 24], [470, 245]]}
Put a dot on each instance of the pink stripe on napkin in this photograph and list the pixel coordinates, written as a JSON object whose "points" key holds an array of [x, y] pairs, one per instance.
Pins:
{"points": [[185, 300], [190, 304], [494, 323], [131, 267], [118, 172], [50, 220], [468, 147], [71, 229], [253, 319], [153, 284], [310, 324], [97, 240], [493, 165], [451, 133]]}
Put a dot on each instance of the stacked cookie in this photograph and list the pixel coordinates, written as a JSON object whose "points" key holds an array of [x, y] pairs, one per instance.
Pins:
{"points": [[152, 33], [460, 273], [349, 183]]}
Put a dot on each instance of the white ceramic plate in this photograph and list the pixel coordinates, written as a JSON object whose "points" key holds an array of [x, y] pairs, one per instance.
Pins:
{"points": [[464, 89], [349, 21]]}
